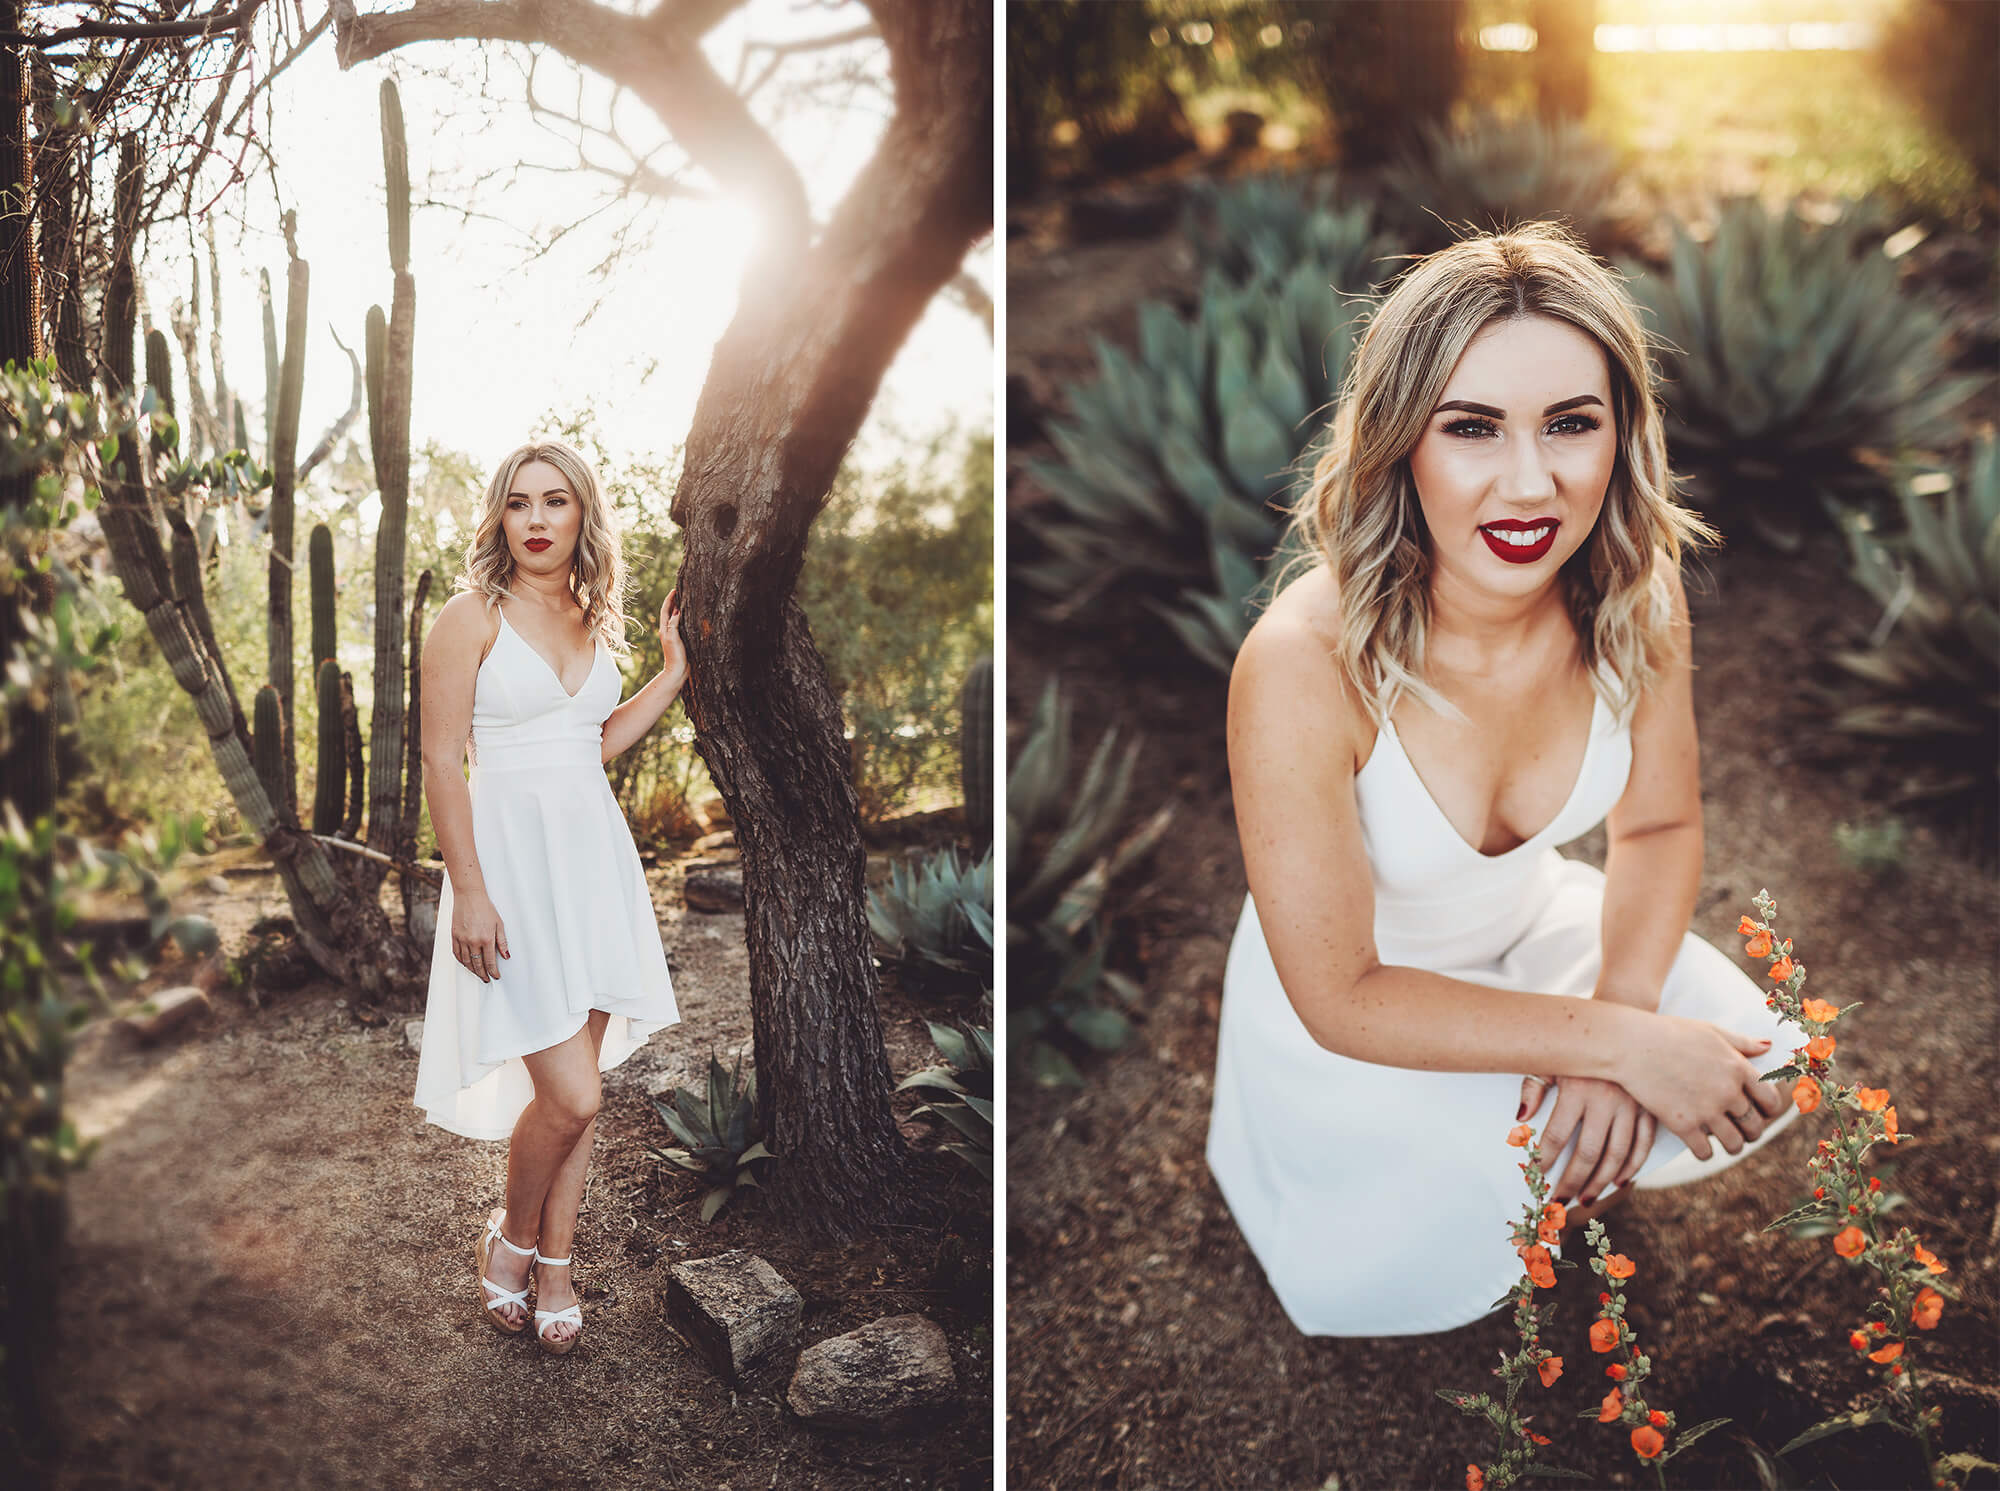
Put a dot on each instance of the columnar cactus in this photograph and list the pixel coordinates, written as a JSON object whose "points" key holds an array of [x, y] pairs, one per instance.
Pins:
{"points": [[268, 746], [319, 563], [975, 750], [329, 797]]}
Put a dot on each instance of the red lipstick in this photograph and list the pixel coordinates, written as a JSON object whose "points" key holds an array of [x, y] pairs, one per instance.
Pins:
{"points": [[539, 544], [1502, 538]]}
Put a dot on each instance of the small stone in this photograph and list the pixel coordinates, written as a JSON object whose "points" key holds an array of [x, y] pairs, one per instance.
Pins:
{"points": [[413, 1035], [165, 1013], [733, 1308], [709, 843], [888, 1375], [714, 888]]}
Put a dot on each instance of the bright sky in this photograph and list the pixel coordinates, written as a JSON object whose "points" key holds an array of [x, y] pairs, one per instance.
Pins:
{"points": [[501, 342]]}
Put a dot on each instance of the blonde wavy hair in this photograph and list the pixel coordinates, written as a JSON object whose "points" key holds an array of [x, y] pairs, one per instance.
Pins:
{"points": [[1360, 510], [597, 578]]}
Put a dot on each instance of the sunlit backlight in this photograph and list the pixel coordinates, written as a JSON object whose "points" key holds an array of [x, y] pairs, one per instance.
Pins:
{"points": [[1160, 35], [1271, 35], [1197, 33], [1735, 36], [1511, 37]]}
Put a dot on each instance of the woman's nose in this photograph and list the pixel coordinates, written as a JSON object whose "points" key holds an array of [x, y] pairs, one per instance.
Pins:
{"points": [[1530, 476]]}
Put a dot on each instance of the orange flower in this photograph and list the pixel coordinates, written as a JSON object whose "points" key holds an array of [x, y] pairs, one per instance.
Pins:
{"points": [[1873, 1099], [1604, 1335], [1820, 1047], [1619, 1266], [1475, 1478], [1889, 1124], [1540, 1270], [1929, 1306], [1612, 1406], [1758, 946], [1888, 1353], [1849, 1242], [1926, 1257], [1805, 1092], [1819, 1011], [1858, 1341], [1539, 1438], [1647, 1441], [1745, 927], [1551, 1368], [1781, 970], [1616, 1371], [1657, 1419], [1519, 1135]]}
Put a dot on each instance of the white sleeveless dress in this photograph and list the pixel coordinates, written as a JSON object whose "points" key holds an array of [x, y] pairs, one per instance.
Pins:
{"points": [[1378, 1198], [562, 870]]}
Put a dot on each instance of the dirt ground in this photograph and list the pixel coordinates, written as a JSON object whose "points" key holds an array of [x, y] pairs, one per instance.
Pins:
{"points": [[1145, 1348], [271, 1282]]}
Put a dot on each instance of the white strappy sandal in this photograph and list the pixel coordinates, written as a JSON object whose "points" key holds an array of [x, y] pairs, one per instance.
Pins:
{"points": [[573, 1314], [482, 1251]]}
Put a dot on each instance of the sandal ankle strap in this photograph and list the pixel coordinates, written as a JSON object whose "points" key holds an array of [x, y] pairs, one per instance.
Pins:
{"points": [[557, 1262], [493, 1231]]}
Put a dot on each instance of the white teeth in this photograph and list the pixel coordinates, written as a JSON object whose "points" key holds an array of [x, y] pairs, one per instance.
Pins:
{"points": [[1520, 540]]}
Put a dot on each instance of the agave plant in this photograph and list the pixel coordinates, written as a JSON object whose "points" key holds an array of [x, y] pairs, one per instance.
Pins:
{"points": [[1789, 350], [1262, 228], [1176, 466], [1495, 174], [966, 1079], [721, 1130], [1927, 690], [1064, 851], [938, 915]]}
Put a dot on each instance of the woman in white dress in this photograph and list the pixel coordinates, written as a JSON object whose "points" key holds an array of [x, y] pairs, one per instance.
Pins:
{"points": [[1487, 654], [548, 966]]}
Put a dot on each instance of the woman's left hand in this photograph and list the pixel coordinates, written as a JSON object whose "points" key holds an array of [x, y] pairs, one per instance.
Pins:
{"points": [[1614, 1134], [671, 647]]}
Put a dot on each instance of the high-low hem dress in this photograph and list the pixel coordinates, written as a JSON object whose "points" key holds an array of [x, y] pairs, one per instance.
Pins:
{"points": [[563, 872], [1323, 1160]]}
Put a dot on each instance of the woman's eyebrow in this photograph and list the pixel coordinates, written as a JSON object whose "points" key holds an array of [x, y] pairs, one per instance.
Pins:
{"points": [[1490, 411], [551, 492]]}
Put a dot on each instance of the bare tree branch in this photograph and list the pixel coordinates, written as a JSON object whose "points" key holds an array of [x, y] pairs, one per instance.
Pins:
{"points": [[214, 24], [659, 57]]}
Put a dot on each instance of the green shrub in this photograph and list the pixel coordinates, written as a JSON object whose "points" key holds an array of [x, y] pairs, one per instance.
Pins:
{"points": [[898, 584], [1788, 350], [966, 1079], [1261, 228], [722, 1131], [1496, 174], [1926, 693], [1175, 468], [1063, 855], [937, 919]]}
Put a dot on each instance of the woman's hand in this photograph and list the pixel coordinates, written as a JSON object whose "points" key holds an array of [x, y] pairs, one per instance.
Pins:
{"points": [[478, 940], [1614, 1133], [671, 647], [1697, 1079]]}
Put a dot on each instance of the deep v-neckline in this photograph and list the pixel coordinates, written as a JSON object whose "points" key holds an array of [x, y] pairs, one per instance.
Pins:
{"points": [[1582, 774], [596, 645]]}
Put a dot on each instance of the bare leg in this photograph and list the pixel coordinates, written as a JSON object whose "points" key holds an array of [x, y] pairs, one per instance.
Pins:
{"points": [[553, 1287], [560, 1113]]}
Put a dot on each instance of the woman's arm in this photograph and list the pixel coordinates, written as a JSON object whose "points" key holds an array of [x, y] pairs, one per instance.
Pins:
{"points": [[451, 671], [1293, 734], [638, 714], [1652, 865]]}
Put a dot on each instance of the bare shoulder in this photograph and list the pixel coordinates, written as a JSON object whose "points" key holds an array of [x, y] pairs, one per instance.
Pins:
{"points": [[464, 631], [1286, 680]]}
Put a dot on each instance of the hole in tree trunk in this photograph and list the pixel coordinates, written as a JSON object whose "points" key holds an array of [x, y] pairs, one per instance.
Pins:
{"points": [[725, 519]]}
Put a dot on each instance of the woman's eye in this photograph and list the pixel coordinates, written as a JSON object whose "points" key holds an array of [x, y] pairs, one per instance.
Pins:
{"points": [[1580, 424], [1469, 427]]}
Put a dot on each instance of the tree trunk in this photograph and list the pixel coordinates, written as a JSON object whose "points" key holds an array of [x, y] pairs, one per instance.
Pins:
{"points": [[789, 385]]}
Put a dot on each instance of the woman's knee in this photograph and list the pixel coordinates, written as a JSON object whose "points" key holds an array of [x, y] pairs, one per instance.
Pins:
{"points": [[574, 1105]]}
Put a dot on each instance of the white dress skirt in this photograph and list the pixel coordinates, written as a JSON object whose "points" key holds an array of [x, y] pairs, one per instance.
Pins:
{"points": [[1307, 1145], [563, 873]]}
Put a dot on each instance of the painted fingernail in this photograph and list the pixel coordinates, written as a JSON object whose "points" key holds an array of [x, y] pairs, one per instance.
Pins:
{"points": [[1522, 1111], [1588, 1200]]}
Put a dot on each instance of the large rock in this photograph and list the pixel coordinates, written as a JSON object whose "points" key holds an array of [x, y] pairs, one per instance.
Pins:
{"points": [[887, 1375], [734, 1308], [713, 888], [165, 1013]]}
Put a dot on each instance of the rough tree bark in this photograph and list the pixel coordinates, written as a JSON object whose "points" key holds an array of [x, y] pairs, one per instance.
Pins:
{"points": [[787, 389]]}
